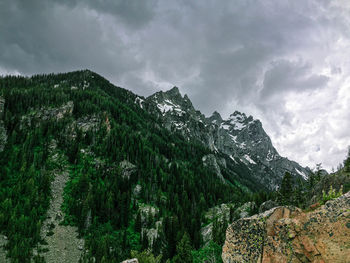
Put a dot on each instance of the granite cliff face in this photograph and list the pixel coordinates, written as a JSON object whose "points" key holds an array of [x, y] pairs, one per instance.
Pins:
{"points": [[239, 143], [287, 234]]}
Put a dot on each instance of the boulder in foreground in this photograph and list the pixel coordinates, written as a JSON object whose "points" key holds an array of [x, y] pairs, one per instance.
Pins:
{"points": [[287, 234]]}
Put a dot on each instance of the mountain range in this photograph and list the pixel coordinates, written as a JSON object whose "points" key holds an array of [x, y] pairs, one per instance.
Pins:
{"points": [[101, 172], [240, 147]]}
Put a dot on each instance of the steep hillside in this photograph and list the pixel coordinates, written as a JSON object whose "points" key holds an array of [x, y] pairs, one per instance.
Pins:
{"points": [[131, 183], [92, 171]]}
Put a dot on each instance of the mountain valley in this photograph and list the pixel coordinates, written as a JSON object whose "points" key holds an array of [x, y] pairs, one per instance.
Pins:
{"points": [[93, 172]]}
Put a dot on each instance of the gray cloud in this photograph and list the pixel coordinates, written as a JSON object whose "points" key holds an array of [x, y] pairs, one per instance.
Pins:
{"points": [[286, 75], [259, 56], [43, 37], [132, 13]]}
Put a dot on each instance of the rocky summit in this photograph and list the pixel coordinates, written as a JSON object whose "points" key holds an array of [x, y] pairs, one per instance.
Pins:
{"points": [[288, 234], [239, 143]]}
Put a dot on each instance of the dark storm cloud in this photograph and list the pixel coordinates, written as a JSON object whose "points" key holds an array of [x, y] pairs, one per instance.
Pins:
{"points": [[133, 13], [38, 36], [251, 55], [287, 75], [222, 45]]}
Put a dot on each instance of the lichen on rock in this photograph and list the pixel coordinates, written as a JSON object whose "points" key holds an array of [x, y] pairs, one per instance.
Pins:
{"points": [[288, 234]]}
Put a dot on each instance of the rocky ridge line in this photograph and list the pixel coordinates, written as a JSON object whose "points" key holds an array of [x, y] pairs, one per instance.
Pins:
{"points": [[239, 142]]}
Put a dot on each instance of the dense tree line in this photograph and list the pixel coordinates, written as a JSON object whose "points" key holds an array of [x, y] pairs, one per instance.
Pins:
{"points": [[99, 197]]}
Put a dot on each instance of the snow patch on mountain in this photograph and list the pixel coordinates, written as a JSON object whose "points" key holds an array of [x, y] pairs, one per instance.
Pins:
{"points": [[225, 126], [169, 106], [242, 145], [240, 137], [234, 138], [269, 156], [164, 108], [247, 157], [233, 159], [301, 173], [139, 102]]}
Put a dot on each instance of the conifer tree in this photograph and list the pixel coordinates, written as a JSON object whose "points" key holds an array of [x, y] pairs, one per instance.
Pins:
{"points": [[138, 222], [183, 250], [286, 188], [347, 162]]}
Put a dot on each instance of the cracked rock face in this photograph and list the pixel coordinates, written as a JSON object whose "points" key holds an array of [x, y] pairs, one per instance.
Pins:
{"points": [[37, 116], [287, 234]]}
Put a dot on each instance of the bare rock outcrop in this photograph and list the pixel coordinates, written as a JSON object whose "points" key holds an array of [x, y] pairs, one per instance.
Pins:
{"points": [[134, 260], [267, 205], [62, 242], [287, 234], [36, 116], [3, 242], [127, 168]]}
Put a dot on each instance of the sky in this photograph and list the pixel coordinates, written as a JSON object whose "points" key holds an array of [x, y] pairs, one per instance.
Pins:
{"points": [[284, 62]]}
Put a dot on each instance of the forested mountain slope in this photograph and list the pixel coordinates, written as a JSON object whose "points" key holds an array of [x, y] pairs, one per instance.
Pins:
{"points": [[82, 123], [132, 182]]}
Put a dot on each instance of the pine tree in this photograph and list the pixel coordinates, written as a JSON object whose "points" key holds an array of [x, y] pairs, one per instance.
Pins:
{"points": [[215, 231], [183, 250], [286, 188], [144, 240], [318, 172], [347, 162], [138, 222], [231, 214]]}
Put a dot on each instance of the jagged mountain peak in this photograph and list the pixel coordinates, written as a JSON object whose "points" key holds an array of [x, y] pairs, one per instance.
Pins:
{"points": [[173, 91], [215, 118], [186, 98], [240, 117], [240, 137], [172, 101], [239, 114], [173, 94]]}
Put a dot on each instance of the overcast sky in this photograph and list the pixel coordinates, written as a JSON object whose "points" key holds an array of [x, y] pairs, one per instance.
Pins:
{"points": [[284, 62]]}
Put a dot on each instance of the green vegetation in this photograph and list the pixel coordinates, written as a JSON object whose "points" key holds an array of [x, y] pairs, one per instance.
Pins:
{"points": [[96, 126], [146, 256], [208, 253], [183, 250], [332, 194], [286, 188], [154, 211], [318, 188]]}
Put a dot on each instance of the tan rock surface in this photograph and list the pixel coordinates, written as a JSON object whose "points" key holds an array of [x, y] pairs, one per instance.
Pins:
{"points": [[287, 234]]}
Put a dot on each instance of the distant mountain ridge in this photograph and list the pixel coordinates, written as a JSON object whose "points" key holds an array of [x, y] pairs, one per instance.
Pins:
{"points": [[240, 140]]}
